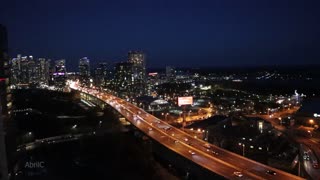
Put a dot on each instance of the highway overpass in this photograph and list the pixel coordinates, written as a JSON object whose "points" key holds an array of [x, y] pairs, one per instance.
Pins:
{"points": [[213, 158]]}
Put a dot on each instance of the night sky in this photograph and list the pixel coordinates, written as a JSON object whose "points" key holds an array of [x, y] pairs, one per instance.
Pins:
{"points": [[171, 32]]}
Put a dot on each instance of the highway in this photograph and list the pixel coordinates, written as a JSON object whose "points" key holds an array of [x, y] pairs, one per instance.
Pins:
{"points": [[211, 157], [307, 163]]}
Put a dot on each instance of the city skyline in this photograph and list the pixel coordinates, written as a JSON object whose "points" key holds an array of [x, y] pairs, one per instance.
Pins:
{"points": [[215, 34]]}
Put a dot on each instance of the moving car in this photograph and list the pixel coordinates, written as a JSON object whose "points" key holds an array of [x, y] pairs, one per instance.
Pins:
{"points": [[238, 173], [271, 172], [192, 152], [207, 145]]}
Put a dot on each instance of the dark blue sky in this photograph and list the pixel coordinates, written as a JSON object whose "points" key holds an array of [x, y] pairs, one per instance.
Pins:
{"points": [[179, 33]]}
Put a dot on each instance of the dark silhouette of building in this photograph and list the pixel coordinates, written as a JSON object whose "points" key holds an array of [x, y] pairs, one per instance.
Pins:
{"points": [[5, 98]]}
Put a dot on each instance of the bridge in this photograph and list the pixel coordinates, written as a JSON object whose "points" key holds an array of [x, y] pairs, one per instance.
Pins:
{"points": [[208, 156]]}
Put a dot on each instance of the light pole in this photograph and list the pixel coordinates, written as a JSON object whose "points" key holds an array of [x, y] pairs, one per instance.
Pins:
{"points": [[165, 116], [243, 147]]}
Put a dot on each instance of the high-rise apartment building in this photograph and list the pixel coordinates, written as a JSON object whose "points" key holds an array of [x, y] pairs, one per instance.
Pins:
{"points": [[123, 79], [138, 72], [60, 73], [43, 70], [15, 70], [103, 74], [32, 71], [84, 70], [24, 70]]}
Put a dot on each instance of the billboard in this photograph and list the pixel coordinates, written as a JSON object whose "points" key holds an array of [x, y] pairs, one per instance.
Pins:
{"points": [[185, 100]]}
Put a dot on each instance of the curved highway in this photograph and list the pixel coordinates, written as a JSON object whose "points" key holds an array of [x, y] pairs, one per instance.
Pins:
{"points": [[211, 157]]}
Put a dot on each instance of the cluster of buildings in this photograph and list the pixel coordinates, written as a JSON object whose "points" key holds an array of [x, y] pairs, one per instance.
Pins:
{"points": [[126, 79], [27, 71]]}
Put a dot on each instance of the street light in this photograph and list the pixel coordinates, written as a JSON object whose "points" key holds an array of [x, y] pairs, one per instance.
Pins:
{"points": [[165, 117], [243, 147], [311, 121]]}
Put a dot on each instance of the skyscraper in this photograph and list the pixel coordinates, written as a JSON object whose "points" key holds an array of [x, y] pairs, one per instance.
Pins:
{"points": [[84, 70], [60, 73], [15, 70], [5, 98], [32, 71], [43, 70], [138, 72], [24, 71]]}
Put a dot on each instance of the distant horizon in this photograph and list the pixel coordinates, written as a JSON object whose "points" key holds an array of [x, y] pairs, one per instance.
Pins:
{"points": [[74, 64]]}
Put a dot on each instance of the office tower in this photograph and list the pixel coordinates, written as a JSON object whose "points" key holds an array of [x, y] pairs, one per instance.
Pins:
{"points": [[123, 79], [24, 70], [84, 70], [170, 73], [15, 71], [32, 71], [5, 98], [60, 73], [138, 72]]}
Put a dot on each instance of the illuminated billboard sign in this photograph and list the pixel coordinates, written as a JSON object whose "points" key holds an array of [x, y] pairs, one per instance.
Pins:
{"points": [[185, 100], [153, 74]]}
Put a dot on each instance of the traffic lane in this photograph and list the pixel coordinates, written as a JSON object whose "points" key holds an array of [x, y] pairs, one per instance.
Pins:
{"points": [[184, 150], [244, 163], [228, 158], [308, 164], [198, 157], [208, 160]]}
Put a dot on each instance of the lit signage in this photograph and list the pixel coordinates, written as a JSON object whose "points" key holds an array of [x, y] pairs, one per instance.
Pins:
{"points": [[58, 73], [185, 100], [316, 115], [153, 74]]}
